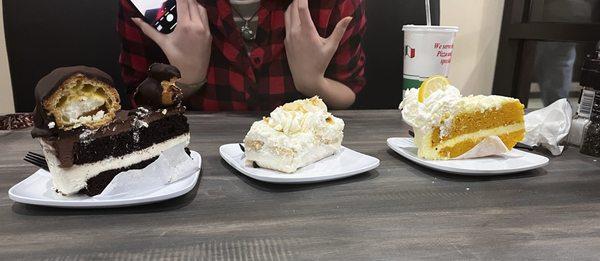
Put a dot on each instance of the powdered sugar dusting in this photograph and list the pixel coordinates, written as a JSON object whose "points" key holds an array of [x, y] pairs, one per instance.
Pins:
{"points": [[136, 136], [85, 136]]}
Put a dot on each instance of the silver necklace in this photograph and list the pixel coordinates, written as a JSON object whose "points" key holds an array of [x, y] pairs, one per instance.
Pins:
{"points": [[247, 33]]}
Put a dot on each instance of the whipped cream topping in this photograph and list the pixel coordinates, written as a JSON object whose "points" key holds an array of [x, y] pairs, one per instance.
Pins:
{"points": [[439, 106], [298, 116]]}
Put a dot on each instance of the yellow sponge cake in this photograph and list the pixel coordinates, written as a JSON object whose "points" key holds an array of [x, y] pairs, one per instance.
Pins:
{"points": [[447, 125]]}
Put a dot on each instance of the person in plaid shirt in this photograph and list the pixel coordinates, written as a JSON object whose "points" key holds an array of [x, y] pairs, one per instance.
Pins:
{"points": [[288, 59]]}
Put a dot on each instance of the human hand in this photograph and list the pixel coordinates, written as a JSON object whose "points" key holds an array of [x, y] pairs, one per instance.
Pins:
{"points": [[188, 47], [307, 52]]}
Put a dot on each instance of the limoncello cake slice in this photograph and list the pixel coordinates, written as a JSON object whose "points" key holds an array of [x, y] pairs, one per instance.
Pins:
{"points": [[295, 135], [447, 124]]}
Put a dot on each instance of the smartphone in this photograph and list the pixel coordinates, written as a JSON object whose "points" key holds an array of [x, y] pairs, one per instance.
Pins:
{"points": [[162, 14]]}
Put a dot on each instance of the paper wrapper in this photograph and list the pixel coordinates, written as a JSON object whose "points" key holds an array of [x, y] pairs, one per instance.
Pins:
{"points": [[491, 145], [488, 146], [548, 126], [172, 165]]}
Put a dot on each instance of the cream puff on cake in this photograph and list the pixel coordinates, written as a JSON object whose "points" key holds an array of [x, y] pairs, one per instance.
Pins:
{"points": [[294, 135]]}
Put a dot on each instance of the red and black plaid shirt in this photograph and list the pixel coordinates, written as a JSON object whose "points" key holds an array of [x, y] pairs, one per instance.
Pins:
{"points": [[261, 79]]}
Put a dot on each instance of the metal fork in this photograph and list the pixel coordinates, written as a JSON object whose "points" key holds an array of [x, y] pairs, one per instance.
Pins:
{"points": [[36, 159]]}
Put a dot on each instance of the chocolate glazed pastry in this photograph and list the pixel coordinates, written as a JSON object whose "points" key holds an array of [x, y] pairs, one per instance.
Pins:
{"points": [[159, 89], [68, 95]]}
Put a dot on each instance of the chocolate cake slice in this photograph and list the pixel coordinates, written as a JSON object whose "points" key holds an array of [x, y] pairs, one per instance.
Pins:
{"points": [[88, 140]]}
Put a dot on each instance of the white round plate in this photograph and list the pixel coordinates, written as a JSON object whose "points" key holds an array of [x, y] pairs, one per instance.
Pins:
{"points": [[510, 162], [344, 164], [37, 190]]}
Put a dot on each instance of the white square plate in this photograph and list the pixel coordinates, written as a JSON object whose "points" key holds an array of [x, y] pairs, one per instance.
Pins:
{"points": [[37, 190], [510, 162], [343, 164]]}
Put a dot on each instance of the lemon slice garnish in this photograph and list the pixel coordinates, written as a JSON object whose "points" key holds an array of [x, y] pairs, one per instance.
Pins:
{"points": [[431, 85]]}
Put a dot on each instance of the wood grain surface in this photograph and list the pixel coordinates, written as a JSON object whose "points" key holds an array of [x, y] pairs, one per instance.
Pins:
{"points": [[397, 211]]}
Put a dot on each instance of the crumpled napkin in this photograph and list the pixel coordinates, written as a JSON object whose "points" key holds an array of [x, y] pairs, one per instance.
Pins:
{"points": [[548, 126], [491, 145], [172, 165]]}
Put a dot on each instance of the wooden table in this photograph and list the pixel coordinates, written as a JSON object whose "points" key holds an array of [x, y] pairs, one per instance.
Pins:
{"points": [[398, 211]]}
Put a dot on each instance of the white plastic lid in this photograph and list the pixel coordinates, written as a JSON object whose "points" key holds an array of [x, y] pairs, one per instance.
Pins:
{"points": [[430, 28]]}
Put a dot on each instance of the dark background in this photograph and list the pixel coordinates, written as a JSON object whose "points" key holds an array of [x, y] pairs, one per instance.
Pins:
{"points": [[42, 35], [520, 32]]}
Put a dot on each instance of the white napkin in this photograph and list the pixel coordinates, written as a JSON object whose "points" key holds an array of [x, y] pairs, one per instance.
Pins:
{"points": [[172, 165], [491, 145], [548, 126]]}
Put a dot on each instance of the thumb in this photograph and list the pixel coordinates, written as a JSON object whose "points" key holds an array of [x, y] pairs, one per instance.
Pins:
{"points": [[339, 30], [148, 30]]}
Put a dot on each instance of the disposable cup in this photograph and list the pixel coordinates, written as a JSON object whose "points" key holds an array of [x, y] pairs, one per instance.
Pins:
{"points": [[427, 52]]}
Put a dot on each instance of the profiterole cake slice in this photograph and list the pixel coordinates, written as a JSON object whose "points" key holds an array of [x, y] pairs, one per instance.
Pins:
{"points": [[293, 136], [87, 140], [447, 124]]}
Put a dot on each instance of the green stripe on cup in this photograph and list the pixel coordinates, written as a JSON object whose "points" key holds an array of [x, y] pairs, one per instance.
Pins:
{"points": [[410, 83]]}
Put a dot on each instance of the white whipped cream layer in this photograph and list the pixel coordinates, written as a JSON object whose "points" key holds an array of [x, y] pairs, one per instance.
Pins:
{"points": [[298, 116], [295, 135], [438, 106]]}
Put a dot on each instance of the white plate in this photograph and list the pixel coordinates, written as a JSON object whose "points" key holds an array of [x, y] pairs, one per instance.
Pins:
{"points": [[346, 163], [37, 190], [510, 162]]}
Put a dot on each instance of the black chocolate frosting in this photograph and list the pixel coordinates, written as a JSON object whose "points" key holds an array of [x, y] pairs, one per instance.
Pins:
{"points": [[149, 93], [48, 85], [63, 142]]}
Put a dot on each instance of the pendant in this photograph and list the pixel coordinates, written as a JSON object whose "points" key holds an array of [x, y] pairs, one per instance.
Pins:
{"points": [[247, 33]]}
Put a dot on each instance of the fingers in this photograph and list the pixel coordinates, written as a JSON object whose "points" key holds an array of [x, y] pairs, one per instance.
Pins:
{"points": [[297, 17], [287, 21], [338, 33], [149, 31], [194, 11], [203, 15], [198, 14], [183, 11], [304, 14], [294, 15]]}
